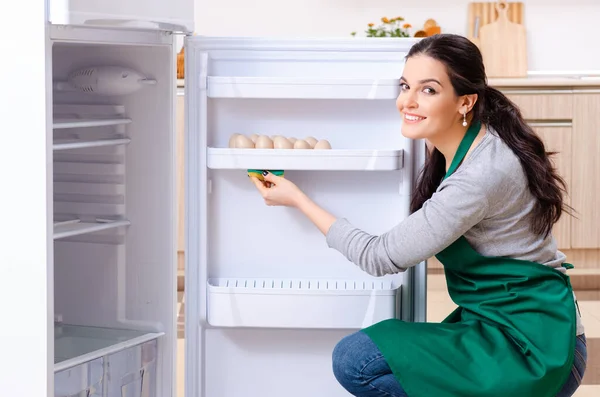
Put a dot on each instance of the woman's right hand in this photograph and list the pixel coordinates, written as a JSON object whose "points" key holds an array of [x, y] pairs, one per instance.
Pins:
{"points": [[278, 191]]}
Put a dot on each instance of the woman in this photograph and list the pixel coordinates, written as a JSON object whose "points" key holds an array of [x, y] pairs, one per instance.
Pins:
{"points": [[485, 205]]}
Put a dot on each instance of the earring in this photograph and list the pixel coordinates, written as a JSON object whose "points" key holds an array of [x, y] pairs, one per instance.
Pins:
{"points": [[464, 123]]}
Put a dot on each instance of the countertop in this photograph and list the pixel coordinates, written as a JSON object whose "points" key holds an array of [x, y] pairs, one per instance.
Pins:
{"points": [[578, 81]]}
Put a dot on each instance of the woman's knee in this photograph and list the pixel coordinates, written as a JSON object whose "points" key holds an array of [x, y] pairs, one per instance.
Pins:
{"points": [[349, 357]]}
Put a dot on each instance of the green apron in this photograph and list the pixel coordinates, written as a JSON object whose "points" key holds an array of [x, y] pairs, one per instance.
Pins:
{"points": [[513, 333]]}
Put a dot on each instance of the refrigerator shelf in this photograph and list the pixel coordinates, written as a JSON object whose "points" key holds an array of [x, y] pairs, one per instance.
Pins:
{"points": [[302, 88], [75, 345], [75, 227], [308, 159], [300, 303], [80, 144], [60, 124]]}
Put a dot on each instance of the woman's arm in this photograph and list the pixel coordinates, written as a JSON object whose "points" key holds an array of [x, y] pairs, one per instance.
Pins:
{"points": [[317, 215]]}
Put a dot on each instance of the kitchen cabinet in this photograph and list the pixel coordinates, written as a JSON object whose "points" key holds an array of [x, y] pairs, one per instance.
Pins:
{"points": [[586, 171], [566, 119], [546, 105]]}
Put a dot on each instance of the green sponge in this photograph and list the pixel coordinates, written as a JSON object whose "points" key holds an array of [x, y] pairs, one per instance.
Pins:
{"points": [[259, 175]]}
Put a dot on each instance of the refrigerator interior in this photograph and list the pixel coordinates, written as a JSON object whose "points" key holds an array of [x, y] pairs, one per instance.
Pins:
{"points": [[266, 299], [114, 223]]}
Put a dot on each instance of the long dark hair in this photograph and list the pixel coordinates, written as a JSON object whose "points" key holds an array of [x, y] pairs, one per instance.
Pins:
{"points": [[464, 65]]}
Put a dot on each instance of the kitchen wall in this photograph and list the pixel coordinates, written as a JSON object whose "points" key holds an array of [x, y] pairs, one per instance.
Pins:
{"points": [[560, 32]]}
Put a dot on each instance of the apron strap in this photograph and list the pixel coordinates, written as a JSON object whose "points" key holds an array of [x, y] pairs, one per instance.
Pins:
{"points": [[463, 147]]}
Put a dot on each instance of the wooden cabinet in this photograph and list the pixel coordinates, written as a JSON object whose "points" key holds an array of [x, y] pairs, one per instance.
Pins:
{"points": [[567, 120], [585, 185], [545, 105]]}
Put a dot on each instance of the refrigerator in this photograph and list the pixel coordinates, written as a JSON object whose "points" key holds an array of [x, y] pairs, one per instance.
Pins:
{"points": [[94, 237]]}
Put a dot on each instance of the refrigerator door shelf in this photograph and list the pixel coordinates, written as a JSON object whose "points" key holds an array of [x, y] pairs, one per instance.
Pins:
{"points": [[307, 159], [295, 303], [174, 15], [302, 88]]}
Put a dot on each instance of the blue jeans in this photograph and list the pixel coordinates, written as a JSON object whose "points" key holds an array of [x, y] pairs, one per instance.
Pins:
{"points": [[361, 369]]}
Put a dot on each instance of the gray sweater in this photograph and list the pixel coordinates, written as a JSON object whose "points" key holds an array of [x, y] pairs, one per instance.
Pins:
{"points": [[486, 200]]}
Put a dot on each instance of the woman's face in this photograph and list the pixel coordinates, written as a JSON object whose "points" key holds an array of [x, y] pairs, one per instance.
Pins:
{"points": [[427, 101]]}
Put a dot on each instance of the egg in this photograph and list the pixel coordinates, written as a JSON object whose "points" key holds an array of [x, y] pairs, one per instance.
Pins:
{"points": [[311, 141], [254, 137], [264, 142], [301, 144], [292, 140], [243, 142], [323, 144], [232, 140], [282, 142]]}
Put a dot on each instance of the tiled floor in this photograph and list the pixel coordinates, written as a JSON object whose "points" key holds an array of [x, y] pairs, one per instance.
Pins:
{"points": [[439, 305]]}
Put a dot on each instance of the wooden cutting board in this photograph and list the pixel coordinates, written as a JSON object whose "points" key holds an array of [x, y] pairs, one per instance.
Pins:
{"points": [[483, 13], [503, 45]]}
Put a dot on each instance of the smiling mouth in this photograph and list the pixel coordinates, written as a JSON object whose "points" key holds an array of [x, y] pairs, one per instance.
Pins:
{"points": [[412, 118]]}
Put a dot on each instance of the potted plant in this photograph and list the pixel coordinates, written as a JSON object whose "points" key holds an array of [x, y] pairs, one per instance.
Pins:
{"points": [[389, 27]]}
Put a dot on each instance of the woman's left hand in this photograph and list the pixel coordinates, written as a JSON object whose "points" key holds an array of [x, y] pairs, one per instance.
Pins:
{"points": [[278, 191]]}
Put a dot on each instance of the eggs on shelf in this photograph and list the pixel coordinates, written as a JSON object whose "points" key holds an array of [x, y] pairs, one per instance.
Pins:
{"points": [[256, 141], [281, 142], [302, 144], [241, 141], [263, 142]]}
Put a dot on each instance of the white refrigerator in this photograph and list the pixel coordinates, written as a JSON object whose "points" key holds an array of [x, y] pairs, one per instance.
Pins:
{"points": [[89, 256]]}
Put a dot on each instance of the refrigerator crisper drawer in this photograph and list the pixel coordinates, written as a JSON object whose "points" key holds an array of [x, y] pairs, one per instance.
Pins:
{"points": [[104, 362], [287, 303], [85, 379]]}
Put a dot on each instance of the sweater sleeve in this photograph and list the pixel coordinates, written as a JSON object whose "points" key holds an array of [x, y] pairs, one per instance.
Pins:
{"points": [[457, 206]]}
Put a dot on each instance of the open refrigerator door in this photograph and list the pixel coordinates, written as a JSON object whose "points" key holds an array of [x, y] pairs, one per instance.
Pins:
{"points": [[266, 299], [111, 196]]}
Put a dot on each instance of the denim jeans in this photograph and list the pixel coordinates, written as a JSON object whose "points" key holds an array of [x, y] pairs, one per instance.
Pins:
{"points": [[360, 368]]}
